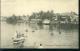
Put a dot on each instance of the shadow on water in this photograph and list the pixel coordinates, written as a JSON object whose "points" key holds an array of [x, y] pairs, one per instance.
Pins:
{"points": [[40, 26], [58, 27], [69, 26], [52, 27]]}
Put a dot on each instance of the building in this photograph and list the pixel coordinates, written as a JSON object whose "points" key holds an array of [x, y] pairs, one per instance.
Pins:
{"points": [[35, 20], [46, 21]]}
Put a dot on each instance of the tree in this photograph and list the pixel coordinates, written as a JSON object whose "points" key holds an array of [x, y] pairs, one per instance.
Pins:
{"points": [[12, 20]]}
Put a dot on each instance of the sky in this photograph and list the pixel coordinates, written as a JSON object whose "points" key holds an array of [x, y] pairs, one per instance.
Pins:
{"points": [[27, 7]]}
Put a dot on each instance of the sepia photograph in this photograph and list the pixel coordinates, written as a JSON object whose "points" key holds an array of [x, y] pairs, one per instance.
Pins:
{"points": [[39, 24]]}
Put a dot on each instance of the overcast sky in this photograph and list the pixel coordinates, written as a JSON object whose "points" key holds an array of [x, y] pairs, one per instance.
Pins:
{"points": [[20, 7]]}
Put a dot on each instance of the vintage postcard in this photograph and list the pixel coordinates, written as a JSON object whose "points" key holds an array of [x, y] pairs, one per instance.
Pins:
{"points": [[39, 24]]}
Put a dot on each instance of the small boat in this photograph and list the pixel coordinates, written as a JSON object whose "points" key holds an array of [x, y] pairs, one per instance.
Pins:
{"points": [[18, 41]]}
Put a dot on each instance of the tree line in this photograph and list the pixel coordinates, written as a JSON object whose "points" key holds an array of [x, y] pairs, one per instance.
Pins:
{"points": [[50, 15]]}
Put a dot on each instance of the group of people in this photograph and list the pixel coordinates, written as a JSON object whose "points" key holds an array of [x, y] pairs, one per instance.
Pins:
{"points": [[19, 39]]}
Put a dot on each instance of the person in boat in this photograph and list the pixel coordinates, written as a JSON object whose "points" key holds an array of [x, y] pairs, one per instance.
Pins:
{"points": [[22, 38], [18, 39], [15, 39], [16, 36]]}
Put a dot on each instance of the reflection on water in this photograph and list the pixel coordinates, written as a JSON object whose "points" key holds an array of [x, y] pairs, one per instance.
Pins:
{"points": [[45, 34]]}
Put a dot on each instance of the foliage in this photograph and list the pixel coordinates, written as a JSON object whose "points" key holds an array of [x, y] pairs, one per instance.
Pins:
{"points": [[13, 19], [42, 15]]}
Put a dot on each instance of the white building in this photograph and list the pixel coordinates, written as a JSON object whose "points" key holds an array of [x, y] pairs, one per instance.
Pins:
{"points": [[46, 21]]}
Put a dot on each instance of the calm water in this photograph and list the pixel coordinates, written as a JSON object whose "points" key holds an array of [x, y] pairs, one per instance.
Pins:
{"points": [[47, 35]]}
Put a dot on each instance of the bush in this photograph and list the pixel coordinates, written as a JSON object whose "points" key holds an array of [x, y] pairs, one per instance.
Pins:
{"points": [[11, 20]]}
